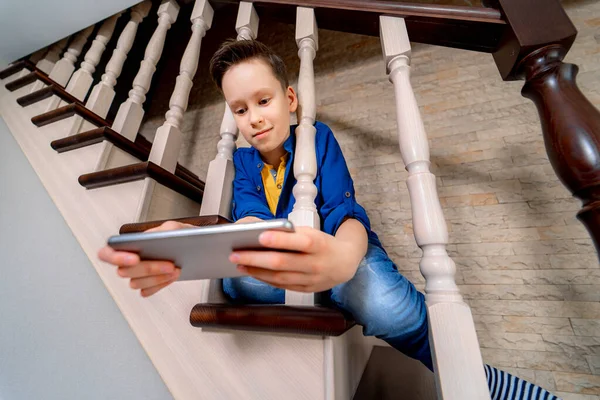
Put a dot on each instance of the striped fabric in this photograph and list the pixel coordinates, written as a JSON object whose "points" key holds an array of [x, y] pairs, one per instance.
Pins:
{"points": [[504, 386]]}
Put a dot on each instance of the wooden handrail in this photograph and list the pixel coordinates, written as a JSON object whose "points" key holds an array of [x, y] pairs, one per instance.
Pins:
{"points": [[469, 28], [399, 9]]}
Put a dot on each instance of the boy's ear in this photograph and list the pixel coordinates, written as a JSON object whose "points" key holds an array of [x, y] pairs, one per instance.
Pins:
{"points": [[292, 99]]}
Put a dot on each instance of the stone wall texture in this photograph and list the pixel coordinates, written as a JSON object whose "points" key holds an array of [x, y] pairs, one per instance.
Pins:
{"points": [[525, 265]]}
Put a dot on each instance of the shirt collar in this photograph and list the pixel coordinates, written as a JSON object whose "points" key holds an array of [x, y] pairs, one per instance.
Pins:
{"points": [[283, 160], [289, 145]]}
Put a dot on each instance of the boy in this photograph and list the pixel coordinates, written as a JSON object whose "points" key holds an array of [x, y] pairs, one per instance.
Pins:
{"points": [[345, 258]]}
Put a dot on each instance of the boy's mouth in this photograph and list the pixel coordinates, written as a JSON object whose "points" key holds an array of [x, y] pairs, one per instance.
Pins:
{"points": [[261, 133]]}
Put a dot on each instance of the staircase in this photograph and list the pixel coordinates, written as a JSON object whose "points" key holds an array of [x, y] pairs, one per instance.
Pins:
{"points": [[104, 176]]}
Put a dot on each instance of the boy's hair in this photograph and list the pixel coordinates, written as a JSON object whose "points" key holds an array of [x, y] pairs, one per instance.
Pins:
{"points": [[233, 52]]}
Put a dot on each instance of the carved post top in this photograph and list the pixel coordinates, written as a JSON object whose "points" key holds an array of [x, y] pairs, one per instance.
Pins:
{"points": [[246, 24], [532, 25], [394, 40], [540, 61], [306, 26], [169, 10], [202, 13], [139, 12]]}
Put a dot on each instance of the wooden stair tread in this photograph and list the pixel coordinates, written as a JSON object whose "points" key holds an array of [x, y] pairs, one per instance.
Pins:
{"points": [[44, 93], [204, 220], [16, 67], [98, 135], [182, 184], [31, 77], [318, 320], [68, 111], [139, 149]]}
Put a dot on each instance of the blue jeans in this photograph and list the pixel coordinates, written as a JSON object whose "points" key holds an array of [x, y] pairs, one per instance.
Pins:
{"points": [[389, 307], [378, 297]]}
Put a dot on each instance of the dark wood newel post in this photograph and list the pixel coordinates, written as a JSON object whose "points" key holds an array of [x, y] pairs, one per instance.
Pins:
{"points": [[571, 128], [532, 48]]}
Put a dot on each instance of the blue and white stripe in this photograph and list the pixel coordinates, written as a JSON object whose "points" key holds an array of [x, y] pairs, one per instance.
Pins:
{"points": [[504, 386]]}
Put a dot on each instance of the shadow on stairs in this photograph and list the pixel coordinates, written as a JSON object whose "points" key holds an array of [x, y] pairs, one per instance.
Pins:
{"points": [[391, 375]]}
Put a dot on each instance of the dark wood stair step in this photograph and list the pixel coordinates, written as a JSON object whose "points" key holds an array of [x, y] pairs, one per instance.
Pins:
{"points": [[204, 220], [44, 93], [139, 149], [318, 320], [16, 67], [75, 108], [31, 77], [182, 183]]}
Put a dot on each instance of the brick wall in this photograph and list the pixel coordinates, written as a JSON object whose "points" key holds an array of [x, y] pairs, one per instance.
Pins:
{"points": [[525, 265]]}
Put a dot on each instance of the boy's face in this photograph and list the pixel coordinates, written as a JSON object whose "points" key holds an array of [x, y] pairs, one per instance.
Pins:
{"points": [[260, 106]]}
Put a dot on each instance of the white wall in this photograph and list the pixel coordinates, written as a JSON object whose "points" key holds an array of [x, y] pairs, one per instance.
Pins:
{"points": [[28, 25], [61, 334]]}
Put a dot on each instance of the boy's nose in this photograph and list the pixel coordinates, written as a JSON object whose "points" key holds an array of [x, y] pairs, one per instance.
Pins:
{"points": [[256, 118]]}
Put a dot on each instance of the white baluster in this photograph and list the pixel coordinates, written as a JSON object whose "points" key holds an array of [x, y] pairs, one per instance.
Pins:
{"points": [[34, 58], [130, 114], [52, 56], [305, 159], [219, 179], [64, 68], [38, 55], [49, 62], [81, 81], [168, 139], [103, 92], [455, 349]]}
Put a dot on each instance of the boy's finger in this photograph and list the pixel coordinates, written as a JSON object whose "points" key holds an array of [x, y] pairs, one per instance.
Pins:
{"points": [[272, 260], [170, 226], [279, 278], [118, 257], [150, 281], [150, 291], [146, 268], [302, 240]]}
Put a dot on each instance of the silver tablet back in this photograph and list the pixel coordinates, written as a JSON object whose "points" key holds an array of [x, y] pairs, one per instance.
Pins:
{"points": [[201, 253]]}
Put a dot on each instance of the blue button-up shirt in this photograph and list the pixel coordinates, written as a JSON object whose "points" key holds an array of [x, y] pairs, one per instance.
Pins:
{"points": [[335, 200]]}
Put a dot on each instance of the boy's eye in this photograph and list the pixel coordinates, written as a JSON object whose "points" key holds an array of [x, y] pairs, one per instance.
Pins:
{"points": [[264, 101], [240, 111]]}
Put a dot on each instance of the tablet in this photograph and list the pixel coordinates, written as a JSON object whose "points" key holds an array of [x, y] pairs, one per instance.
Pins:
{"points": [[203, 252]]}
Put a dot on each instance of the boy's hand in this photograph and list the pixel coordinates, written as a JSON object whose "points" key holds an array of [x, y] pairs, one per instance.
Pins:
{"points": [[149, 276], [318, 261], [247, 220]]}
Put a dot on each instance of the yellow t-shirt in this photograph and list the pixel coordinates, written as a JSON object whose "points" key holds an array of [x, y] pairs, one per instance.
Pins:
{"points": [[273, 182]]}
